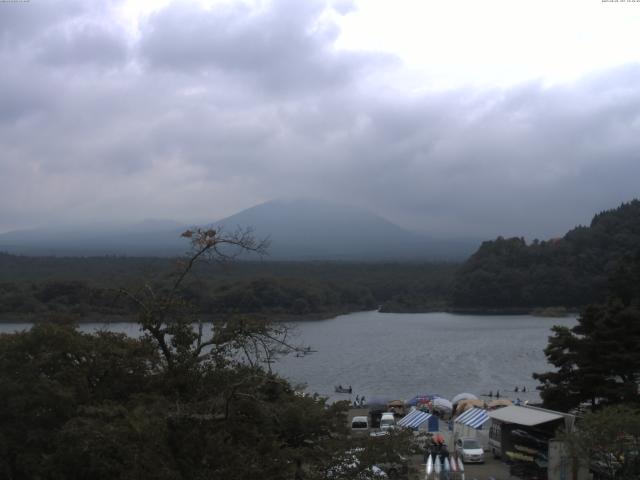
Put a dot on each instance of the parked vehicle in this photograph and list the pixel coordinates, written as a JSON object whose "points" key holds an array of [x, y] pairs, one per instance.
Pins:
{"points": [[360, 425], [387, 421], [495, 439], [469, 450]]}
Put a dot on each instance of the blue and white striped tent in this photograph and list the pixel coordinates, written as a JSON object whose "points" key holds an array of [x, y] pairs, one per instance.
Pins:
{"points": [[474, 418], [416, 418]]}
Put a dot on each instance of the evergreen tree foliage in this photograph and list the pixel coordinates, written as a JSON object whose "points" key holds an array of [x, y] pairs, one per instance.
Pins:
{"points": [[598, 360], [571, 271], [610, 440]]}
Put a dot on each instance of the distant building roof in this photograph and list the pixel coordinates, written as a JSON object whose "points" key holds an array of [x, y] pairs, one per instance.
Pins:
{"points": [[524, 415]]}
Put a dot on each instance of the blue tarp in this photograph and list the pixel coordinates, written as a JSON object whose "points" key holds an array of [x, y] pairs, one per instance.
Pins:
{"points": [[474, 418], [416, 418]]}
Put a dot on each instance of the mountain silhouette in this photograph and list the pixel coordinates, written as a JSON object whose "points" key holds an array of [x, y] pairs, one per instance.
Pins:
{"points": [[298, 229]]}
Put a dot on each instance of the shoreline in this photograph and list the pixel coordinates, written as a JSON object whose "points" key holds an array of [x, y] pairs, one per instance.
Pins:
{"points": [[8, 318], [34, 318]]}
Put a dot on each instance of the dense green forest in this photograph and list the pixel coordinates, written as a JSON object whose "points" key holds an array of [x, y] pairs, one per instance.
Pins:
{"points": [[504, 275], [177, 403], [31, 287], [571, 271]]}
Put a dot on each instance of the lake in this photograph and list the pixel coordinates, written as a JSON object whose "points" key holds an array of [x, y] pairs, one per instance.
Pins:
{"points": [[398, 355]]}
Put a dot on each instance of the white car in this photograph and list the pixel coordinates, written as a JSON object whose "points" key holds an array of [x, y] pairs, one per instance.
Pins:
{"points": [[387, 422], [469, 450]]}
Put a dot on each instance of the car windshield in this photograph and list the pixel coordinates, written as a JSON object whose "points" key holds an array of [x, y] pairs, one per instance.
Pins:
{"points": [[470, 444], [359, 425]]}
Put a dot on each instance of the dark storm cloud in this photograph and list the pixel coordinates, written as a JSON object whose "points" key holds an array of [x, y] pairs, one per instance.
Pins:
{"points": [[212, 110]]}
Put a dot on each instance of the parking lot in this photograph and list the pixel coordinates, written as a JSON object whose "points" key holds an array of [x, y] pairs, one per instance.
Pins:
{"points": [[491, 468]]}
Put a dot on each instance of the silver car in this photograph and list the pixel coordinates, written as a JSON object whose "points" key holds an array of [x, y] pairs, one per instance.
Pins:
{"points": [[469, 450]]}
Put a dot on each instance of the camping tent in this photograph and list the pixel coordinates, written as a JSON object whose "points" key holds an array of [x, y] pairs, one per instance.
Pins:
{"points": [[468, 423], [442, 403], [474, 418], [396, 406], [416, 419], [463, 396], [422, 398], [464, 405]]}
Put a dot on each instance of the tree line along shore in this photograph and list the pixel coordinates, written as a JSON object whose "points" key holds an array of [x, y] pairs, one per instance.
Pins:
{"points": [[504, 276]]}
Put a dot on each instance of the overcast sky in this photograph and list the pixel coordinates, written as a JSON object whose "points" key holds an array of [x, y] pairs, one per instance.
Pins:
{"points": [[481, 118]]}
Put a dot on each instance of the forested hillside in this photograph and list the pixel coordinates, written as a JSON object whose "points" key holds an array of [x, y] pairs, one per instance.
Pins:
{"points": [[38, 287], [571, 271]]}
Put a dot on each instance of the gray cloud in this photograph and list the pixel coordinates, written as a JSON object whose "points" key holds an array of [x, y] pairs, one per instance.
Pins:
{"points": [[83, 44], [21, 21], [211, 111], [282, 48]]}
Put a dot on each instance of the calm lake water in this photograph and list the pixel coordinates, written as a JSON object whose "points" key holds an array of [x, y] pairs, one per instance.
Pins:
{"points": [[398, 355]]}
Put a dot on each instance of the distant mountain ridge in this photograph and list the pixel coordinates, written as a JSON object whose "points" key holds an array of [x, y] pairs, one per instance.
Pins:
{"points": [[298, 229], [147, 238], [306, 229], [572, 271]]}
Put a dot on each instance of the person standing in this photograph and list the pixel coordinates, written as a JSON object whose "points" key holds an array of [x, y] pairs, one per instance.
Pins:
{"points": [[427, 452], [444, 451]]}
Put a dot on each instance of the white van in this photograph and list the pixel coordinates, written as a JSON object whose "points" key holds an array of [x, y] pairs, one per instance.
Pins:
{"points": [[387, 422], [360, 425]]}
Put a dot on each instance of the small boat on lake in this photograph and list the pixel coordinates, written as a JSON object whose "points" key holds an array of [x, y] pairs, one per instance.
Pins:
{"points": [[341, 389], [301, 352]]}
